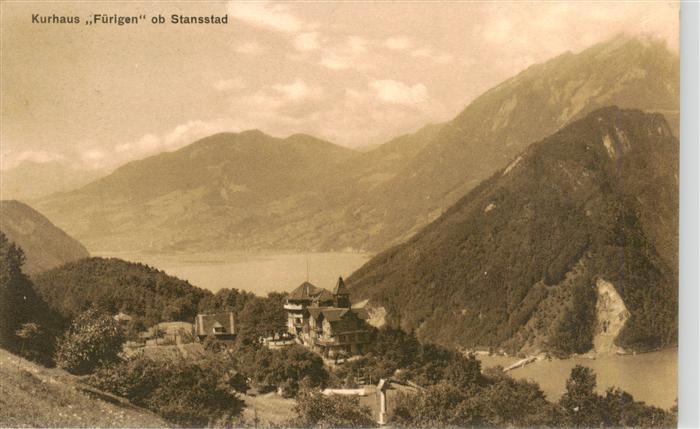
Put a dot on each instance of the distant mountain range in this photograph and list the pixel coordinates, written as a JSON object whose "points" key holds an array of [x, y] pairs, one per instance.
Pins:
{"points": [[250, 191], [29, 180], [514, 263], [218, 192], [45, 246]]}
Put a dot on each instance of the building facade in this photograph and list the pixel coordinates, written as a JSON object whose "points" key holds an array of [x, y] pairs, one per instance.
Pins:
{"points": [[299, 300], [326, 322]]}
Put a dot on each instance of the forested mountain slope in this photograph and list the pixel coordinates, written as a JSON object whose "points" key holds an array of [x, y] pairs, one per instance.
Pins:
{"points": [[516, 261], [115, 285]]}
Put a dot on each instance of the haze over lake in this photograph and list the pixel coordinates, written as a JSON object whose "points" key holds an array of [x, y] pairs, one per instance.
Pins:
{"points": [[260, 273]]}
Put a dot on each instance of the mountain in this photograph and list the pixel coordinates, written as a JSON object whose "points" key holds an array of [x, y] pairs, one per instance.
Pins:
{"points": [[625, 71], [250, 191], [29, 181], [520, 260], [212, 194], [45, 246]]}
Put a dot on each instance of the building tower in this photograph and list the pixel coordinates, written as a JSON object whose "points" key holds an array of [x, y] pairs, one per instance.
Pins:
{"points": [[341, 295]]}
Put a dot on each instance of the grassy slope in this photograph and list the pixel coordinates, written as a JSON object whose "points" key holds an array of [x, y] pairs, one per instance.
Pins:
{"points": [[34, 396], [270, 409]]}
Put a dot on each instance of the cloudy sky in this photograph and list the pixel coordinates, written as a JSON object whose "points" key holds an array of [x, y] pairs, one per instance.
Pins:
{"points": [[355, 73]]}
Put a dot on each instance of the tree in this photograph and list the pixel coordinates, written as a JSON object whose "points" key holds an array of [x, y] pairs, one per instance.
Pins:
{"points": [[574, 333], [93, 339], [513, 403], [262, 317], [622, 410], [225, 300], [317, 410], [293, 364], [27, 325], [14, 287], [581, 405], [464, 372], [433, 407], [287, 368]]}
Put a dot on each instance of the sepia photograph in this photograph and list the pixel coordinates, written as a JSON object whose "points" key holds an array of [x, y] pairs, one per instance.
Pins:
{"points": [[422, 214]]}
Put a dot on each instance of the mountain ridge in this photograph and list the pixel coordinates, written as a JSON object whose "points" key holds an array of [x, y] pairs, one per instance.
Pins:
{"points": [[514, 262], [361, 201]]}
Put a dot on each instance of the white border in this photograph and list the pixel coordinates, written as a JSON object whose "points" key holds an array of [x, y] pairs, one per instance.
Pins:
{"points": [[689, 323]]}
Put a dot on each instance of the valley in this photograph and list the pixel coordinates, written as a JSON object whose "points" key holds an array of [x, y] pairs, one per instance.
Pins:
{"points": [[245, 271]]}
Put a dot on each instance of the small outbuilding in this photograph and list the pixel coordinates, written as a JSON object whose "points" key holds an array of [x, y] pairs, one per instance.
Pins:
{"points": [[221, 326]]}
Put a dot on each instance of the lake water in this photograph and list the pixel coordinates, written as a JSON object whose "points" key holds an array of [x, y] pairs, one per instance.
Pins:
{"points": [[649, 377], [258, 273]]}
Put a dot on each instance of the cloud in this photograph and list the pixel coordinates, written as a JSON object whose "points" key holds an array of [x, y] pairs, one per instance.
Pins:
{"points": [[11, 159], [349, 54], [333, 61], [392, 91], [297, 90], [398, 43], [357, 44], [249, 48], [192, 131], [225, 85], [524, 34], [96, 158], [147, 143], [430, 54], [307, 41], [267, 15], [283, 105]]}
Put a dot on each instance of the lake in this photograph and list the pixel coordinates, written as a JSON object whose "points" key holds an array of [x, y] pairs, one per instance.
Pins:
{"points": [[649, 377], [258, 273]]}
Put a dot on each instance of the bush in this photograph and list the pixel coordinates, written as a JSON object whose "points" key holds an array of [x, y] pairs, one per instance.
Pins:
{"points": [[184, 393], [503, 402], [285, 368], [93, 339], [317, 410], [36, 343], [293, 364]]}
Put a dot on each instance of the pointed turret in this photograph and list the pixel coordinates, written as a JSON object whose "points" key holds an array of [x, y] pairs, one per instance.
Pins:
{"points": [[341, 294]]}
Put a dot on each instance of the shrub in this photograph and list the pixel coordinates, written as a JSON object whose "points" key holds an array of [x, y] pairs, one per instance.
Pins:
{"points": [[36, 343], [317, 410], [93, 339], [184, 393], [285, 368]]}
